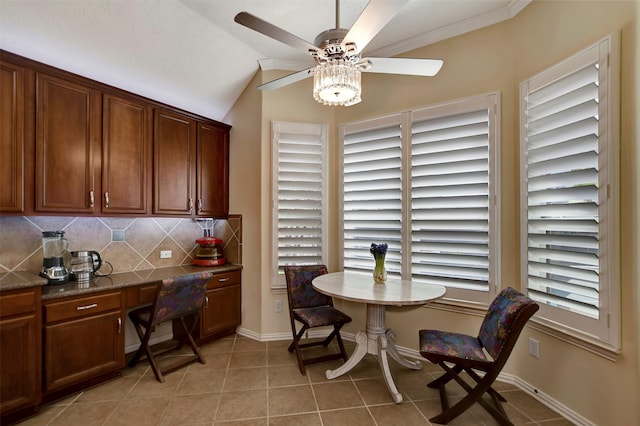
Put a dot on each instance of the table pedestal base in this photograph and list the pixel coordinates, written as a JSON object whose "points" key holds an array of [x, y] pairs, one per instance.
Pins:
{"points": [[376, 341]]}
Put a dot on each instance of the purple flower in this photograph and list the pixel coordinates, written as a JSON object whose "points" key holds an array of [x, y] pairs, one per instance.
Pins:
{"points": [[378, 250]]}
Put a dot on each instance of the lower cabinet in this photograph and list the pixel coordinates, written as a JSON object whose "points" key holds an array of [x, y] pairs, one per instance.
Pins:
{"points": [[83, 341], [221, 313], [20, 366]]}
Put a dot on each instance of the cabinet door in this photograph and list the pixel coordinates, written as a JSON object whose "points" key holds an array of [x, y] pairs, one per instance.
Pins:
{"points": [[213, 171], [221, 312], [12, 144], [19, 360], [82, 349], [126, 156], [67, 140], [174, 151]]}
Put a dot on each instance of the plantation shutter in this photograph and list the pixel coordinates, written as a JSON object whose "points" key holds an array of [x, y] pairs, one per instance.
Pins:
{"points": [[372, 194], [562, 149], [450, 200], [299, 196]]}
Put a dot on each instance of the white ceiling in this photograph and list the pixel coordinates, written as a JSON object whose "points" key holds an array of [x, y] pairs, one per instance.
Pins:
{"points": [[191, 54]]}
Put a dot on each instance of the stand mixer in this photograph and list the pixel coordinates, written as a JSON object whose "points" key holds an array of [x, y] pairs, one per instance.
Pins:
{"points": [[54, 246]]}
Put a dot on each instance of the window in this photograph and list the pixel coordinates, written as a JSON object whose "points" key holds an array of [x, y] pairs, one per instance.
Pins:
{"points": [[299, 196], [425, 183], [569, 192]]}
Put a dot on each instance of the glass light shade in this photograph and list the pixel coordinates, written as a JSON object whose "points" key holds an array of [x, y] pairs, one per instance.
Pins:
{"points": [[337, 82]]}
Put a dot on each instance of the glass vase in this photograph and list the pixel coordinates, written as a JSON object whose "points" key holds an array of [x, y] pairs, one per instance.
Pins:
{"points": [[380, 272]]}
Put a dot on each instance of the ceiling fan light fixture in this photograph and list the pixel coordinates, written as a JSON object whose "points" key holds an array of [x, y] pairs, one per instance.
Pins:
{"points": [[337, 82]]}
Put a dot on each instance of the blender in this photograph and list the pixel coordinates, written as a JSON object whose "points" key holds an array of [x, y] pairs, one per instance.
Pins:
{"points": [[209, 251], [54, 246]]}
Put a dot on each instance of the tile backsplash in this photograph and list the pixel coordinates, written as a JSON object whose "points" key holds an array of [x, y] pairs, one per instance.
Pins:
{"points": [[127, 244]]}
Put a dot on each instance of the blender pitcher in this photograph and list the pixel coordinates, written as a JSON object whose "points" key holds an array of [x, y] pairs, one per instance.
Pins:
{"points": [[54, 246]]}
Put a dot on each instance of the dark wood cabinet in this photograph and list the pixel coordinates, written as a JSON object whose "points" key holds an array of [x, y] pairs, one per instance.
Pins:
{"points": [[68, 126], [222, 311], [71, 145], [83, 341], [20, 363], [191, 166], [212, 171], [174, 160], [126, 156], [12, 142]]}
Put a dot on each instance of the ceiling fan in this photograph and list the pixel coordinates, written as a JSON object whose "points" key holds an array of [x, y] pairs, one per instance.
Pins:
{"points": [[338, 54]]}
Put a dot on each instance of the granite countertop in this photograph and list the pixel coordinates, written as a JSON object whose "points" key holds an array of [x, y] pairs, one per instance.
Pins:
{"points": [[25, 279]]}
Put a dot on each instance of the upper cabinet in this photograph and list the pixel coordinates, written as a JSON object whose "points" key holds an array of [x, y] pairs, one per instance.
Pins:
{"points": [[191, 166], [212, 171], [126, 156], [70, 145], [12, 142], [68, 126], [174, 160]]}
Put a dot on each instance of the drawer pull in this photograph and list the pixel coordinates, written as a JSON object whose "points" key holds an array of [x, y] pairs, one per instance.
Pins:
{"points": [[206, 302], [82, 308], [223, 280], [119, 325]]}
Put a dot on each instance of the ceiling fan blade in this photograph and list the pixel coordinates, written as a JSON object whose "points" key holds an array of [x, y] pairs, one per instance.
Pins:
{"points": [[373, 18], [408, 66], [270, 30], [287, 79]]}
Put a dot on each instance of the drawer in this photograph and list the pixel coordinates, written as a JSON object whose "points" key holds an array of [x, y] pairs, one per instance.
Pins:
{"points": [[81, 307], [147, 293], [224, 279], [18, 302]]}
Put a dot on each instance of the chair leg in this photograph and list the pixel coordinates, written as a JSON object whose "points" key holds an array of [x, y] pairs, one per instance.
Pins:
{"points": [[473, 395], [144, 339], [341, 345]]}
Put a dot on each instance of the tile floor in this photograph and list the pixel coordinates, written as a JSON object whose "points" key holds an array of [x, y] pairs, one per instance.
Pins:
{"points": [[246, 382]]}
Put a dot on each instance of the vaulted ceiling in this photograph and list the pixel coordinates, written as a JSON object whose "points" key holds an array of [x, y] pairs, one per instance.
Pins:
{"points": [[191, 54]]}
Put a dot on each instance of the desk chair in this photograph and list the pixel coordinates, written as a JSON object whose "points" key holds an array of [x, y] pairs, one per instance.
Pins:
{"points": [[312, 309], [175, 298], [455, 352]]}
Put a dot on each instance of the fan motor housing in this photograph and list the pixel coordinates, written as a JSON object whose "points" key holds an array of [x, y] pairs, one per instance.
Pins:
{"points": [[330, 42]]}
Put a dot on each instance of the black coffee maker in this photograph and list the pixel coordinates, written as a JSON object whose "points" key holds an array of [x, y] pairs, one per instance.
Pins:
{"points": [[54, 246]]}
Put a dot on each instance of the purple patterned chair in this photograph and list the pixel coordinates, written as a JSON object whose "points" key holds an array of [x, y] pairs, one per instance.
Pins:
{"points": [[455, 352], [175, 298], [312, 309]]}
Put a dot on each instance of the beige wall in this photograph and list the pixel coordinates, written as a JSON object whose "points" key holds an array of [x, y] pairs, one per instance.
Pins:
{"points": [[494, 59]]}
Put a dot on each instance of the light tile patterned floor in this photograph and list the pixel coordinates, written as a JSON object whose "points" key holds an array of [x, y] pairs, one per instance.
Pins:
{"points": [[246, 382]]}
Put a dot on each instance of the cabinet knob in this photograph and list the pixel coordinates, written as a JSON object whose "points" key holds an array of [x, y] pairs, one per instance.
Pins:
{"points": [[206, 302], [119, 325]]}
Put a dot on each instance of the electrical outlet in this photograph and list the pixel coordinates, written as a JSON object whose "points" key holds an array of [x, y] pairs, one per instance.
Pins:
{"points": [[534, 348], [165, 254], [278, 305]]}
